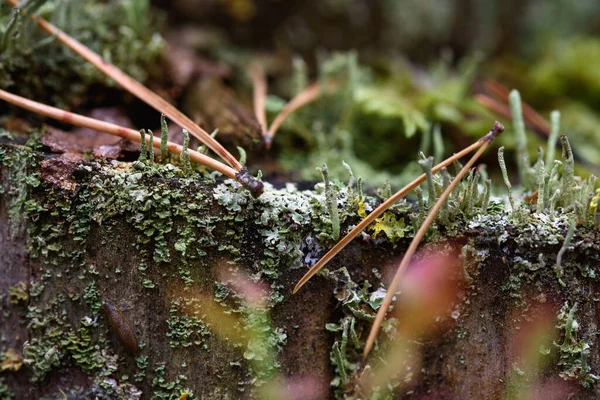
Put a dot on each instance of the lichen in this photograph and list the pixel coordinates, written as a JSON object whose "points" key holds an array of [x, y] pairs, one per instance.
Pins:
{"points": [[574, 353]]}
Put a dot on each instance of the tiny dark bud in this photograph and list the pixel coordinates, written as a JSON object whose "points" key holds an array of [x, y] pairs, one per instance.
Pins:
{"points": [[497, 129], [248, 181]]}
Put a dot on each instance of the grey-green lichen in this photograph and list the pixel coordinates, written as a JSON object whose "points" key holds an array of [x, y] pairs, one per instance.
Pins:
{"points": [[574, 353]]}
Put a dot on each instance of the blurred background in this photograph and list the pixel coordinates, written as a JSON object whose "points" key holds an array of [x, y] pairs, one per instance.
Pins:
{"points": [[410, 74]]}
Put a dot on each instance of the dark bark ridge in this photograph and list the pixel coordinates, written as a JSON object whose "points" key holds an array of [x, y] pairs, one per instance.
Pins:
{"points": [[165, 249]]}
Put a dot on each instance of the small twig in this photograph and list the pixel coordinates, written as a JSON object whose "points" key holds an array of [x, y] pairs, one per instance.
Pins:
{"points": [[380, 210], [496, 130], [112, 129], [137, 89]]}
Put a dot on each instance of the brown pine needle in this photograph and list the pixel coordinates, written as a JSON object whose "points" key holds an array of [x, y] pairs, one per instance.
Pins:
{"points": [[116, 130], [378, 211], [259, 82], [486, 141], [538, 122], [137, 89], [493, 105], [308, 95]]}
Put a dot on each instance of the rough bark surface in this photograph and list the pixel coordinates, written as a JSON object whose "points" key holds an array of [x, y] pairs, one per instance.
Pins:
{"points": [[68, 265]]}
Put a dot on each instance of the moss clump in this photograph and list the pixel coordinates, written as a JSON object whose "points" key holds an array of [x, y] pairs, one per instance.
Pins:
{"points": [[121, 32]]}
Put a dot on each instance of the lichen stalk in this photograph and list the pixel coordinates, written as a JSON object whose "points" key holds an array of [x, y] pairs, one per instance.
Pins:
{"points": [[149, 146], [505, 177], [568, 178], [420, 205], [558, 267], [554, 132], [438, 143], [11, 29], [331, 198], [143, 151], [541, 176], [394, 285], [380, 210], [185, 154], [427, 165], [164, 138], [519, 128], [487, 191]]}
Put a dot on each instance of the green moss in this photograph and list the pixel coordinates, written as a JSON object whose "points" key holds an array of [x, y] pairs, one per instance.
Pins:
{"points": [[185, 330], [91, 296], [61, 77], [180, 221], [5, 392], [18, 179]]}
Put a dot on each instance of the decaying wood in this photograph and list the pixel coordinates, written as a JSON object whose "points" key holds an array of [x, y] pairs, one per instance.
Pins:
{"points": [[472, 356]]}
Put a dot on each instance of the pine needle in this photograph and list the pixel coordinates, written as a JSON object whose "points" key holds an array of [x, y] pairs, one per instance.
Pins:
{"points": [[308, 95], [485, 142], [112, 129], [137, 89], [380, 210], [259, 82]]}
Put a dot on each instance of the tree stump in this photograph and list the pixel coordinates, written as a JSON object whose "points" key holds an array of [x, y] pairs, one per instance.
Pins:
{"points": [[131, 280]]}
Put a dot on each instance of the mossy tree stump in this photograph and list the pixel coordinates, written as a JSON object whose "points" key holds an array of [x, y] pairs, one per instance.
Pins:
{"points": [[164, 249]]}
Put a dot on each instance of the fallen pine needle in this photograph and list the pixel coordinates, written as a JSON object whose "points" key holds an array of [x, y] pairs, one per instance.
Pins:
{"points": [[137, 89], [378, 211], [112, 129], [412, 248], [259, 82], [308, 95]]}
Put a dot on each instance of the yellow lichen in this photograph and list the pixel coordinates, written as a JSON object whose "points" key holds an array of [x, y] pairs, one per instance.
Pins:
{"points": [[394, 228], [361, 208], [11, 361], [594, 203]]}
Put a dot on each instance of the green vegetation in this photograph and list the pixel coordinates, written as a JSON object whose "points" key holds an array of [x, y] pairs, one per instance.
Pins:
{"points": [[196, 248]]}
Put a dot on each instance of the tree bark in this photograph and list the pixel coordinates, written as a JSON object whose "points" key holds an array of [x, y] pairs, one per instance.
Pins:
{"points": [[166, 249]]}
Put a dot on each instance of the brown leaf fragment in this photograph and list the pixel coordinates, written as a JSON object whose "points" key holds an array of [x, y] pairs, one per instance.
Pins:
{"points": [[59, 172]]}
